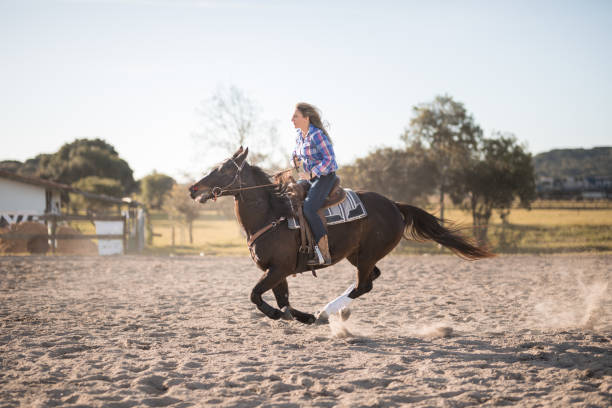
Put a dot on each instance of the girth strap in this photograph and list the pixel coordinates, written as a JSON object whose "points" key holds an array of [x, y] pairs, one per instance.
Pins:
{"points": [[264, 230]]}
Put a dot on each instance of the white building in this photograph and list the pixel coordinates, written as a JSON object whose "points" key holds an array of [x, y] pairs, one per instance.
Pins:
{"points": [[23, 198]]}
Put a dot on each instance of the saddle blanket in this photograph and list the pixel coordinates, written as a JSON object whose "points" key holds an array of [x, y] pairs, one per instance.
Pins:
{"points": [[350, 209]]}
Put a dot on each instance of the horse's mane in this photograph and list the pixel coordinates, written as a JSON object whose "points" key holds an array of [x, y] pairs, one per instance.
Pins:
{"points": [[278, 201]]}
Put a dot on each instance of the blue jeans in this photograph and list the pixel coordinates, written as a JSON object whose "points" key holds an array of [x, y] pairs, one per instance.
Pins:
{"points": [[319, 190]]}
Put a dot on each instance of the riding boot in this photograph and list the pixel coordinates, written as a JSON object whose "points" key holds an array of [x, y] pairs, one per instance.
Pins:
{"points": [[321, 254], [323, 247]]}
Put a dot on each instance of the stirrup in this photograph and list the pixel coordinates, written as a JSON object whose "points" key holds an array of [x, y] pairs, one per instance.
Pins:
{"points": [[318, 258]]}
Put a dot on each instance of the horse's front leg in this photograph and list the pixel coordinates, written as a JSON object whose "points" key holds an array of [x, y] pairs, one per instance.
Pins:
{"points": [[281, 293], [269, 280]]}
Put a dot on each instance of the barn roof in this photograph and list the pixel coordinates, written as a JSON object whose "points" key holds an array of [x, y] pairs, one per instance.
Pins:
{"points": [[52, 185], [34, 181]]}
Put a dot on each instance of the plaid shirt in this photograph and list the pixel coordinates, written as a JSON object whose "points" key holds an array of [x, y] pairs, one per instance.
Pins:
{"points": [[316, 152]]}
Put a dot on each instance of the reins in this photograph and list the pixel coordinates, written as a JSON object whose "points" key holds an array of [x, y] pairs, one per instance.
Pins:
{"points": [[220, 191]]}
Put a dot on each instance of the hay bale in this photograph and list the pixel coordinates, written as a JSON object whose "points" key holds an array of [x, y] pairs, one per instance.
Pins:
{"points": [[37, 245], [3, 242], [74, 246]]}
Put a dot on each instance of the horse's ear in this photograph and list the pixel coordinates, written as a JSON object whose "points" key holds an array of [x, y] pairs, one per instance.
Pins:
{"points": [[242, 156], [237, 152]]}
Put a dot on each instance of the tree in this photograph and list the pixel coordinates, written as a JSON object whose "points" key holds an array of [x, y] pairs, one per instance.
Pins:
{"points": [[96, 185], [444, 129], [402, 175], [154, 189], [84, 158], [28, 168], [501, 174], [12, 166], [232, 119], [181, 207]]}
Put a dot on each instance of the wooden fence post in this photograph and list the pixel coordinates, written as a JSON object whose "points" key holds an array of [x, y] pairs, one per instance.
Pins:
{"points": [[53, 232], [125, 234]]}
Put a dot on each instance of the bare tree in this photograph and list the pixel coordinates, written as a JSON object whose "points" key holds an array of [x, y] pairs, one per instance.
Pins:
{"points": [[232, 119], [182, 208]]}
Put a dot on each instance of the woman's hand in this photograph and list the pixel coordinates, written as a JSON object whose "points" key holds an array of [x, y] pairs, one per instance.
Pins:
{"points": [[304, 176], [297, 162]]}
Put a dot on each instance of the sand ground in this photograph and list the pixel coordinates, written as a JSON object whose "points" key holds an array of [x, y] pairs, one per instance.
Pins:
{"points": [[180, 332]]}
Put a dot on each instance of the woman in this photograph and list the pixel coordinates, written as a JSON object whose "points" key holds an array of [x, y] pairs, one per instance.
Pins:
{"points": [[314, 150]]}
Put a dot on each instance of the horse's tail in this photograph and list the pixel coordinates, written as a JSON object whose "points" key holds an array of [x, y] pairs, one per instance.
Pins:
{"points": [[424, 227]]}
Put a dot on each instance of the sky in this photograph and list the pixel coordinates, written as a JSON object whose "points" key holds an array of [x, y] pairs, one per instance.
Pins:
{"points": [[136, 72]]}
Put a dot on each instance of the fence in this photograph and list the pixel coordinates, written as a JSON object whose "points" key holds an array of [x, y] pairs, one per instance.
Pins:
{"points": [[52, 220]]}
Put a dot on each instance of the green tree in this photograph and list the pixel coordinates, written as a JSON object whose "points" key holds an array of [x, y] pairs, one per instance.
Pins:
{"points": [[12, 166], [501, 174], [181, 207], [96, 185], [84, 158], [154, 189], [31, 167], [403, 175], [449, 135]]}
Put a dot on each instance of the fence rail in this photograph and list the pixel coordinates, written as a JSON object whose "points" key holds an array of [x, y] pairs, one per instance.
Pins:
{"points": [[52, 220], [18, 235]]}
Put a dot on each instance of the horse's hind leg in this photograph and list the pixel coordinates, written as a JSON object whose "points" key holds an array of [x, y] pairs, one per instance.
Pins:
{"points": [[375, 273], [281, 293], [366, 274]]}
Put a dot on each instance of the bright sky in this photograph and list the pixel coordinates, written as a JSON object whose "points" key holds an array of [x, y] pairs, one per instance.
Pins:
{"points": [[134, 72]]}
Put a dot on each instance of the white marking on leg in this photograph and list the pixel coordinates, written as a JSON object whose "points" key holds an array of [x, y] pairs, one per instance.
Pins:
{"points": [[339, 303]]}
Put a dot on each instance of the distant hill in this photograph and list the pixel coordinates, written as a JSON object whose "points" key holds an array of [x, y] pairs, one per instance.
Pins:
{"points": [[559, 163]]}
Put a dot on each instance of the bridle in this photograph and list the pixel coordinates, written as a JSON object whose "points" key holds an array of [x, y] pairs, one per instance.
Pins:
{"points": [[222, 191]]}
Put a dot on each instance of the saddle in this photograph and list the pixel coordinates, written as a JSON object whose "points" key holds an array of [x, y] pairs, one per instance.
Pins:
{"points": [[300, 190], [297, 194]]}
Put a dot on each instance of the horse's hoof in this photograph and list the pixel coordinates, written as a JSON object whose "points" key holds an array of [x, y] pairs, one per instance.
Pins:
{"points": [[286, 313], [305, 318], [345, 313], [275, 314], [321, 317]]}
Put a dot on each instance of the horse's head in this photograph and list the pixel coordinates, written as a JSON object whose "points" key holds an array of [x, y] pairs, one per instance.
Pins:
{"points": [[225, 175]]}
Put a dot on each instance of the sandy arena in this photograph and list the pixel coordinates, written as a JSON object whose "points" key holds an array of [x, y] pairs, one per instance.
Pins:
{"points": [[435, 331]]}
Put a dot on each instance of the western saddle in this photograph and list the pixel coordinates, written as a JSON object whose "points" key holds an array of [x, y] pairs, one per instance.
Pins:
{"points": [[297, 194]]}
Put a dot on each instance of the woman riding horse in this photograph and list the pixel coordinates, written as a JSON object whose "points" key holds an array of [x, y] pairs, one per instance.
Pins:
{"points": [[313, 148], [262, 210]]}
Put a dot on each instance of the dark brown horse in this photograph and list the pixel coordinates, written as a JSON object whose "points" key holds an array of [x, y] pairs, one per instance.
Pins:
{"points": [[261, 209]]}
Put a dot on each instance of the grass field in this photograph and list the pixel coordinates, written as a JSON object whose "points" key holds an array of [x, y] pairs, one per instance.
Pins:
{"points": [[219, 236], [540, 231], [528, 231]]}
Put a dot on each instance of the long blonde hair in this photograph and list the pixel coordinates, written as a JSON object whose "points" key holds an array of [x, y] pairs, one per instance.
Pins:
{"points": [[313, 114]]}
